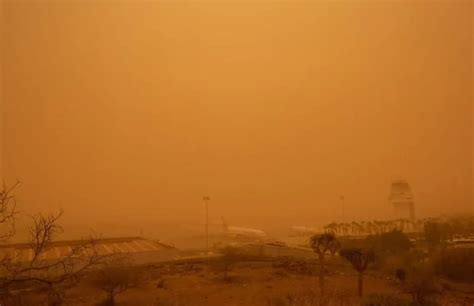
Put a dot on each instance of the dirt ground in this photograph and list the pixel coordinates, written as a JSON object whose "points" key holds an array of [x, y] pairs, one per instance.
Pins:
{"points": [[253, 284]]}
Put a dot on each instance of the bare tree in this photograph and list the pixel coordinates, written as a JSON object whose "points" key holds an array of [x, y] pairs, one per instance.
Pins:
{"points": [[8, 212], [39, 271], [320, 245]]}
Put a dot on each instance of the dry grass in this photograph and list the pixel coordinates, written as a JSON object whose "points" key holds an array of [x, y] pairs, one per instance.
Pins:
{"points": [[252, 284]]}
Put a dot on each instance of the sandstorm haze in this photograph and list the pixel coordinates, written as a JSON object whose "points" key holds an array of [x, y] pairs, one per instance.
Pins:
{"points": [[129, 112]]}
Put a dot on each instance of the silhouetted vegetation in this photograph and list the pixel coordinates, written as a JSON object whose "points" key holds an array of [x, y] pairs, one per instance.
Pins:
{"points": [[420, 282], [374, 227], [401, 274], [393, 242], [52, 276], [456, 264], [360, 260], [385, 300], [115, 279], [416, 268], [334, 247], [230, 255], [436, 234], [320, 245]]}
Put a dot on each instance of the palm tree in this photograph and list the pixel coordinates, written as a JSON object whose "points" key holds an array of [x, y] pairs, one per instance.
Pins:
{"points": [[320, 245], [411, 225], [392, 225], [340, 227], [364, 227], [345, 228], [371, 228], [419, 225], [353, 225], [359, 228], [332, 227], [359, 259], [399, 224], [356, 228], [406, 225]]}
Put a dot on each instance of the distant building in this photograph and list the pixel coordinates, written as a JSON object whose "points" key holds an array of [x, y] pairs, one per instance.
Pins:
{"points": [[401, 199], [139, 249]]}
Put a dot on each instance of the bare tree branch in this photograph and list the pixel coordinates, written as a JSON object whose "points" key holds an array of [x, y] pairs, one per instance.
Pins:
{"points": [[7, 211], [39, 270]]}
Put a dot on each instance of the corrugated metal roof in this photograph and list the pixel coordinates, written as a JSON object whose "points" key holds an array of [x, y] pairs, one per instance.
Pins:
{"points": [[22, 252]]}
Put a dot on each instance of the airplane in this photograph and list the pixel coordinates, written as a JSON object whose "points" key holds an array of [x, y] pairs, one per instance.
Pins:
{"points": [[304, 231], [243, 232]]}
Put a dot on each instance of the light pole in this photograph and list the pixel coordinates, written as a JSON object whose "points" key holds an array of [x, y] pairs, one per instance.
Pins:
{"points": [[206, 200]]}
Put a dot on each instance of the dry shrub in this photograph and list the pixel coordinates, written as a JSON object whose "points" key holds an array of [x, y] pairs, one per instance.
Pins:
{"points": [[50, 277], [455, 264], [393, 242], [296, 267], [422, 285], [114, 279], [406, 261], [310, 298], [294, 300], [230, 256], [385, 300]]}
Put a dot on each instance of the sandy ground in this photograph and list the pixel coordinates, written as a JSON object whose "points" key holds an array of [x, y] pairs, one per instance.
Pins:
{"points": [[250, 283]]}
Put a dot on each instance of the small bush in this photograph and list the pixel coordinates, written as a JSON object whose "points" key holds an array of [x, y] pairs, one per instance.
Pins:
{"points": [[296, 267], [436, 233], [406, 261], [347, 243], [311, 299], [455, 264], [115, 280], [230, 256], [384, 300], [421, 284], [394, 242], [401, 274]]}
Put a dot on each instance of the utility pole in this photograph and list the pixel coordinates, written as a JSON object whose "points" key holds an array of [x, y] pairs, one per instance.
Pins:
{"points": [[206, 200]]}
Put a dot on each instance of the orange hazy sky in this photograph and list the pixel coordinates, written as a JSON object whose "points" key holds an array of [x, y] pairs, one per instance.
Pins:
{"points": [[132, 110]]}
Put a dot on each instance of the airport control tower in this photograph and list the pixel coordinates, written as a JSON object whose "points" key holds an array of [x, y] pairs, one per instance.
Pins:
{"points": [[401, 198]]}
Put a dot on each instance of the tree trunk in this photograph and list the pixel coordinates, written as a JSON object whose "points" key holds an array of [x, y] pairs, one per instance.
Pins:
{"points": [[321, 273], [360, 284], [111, 299]]}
